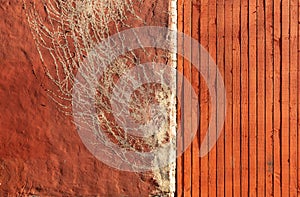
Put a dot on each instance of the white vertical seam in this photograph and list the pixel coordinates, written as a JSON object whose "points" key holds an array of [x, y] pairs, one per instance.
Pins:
{"points": [[173, 26]]}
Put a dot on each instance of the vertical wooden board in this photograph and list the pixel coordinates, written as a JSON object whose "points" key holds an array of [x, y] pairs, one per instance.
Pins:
{"points": [[187, 27], [285, 167], [236, 88], [244, 99], [204, 98], [195, 84], [261, 131], [263, 105], [220, 62], [212, 157], [276, 83], [257, 54], [179, 166], [298, 99], [228, 86], [252, 100], [293, 95], [269, 98]]}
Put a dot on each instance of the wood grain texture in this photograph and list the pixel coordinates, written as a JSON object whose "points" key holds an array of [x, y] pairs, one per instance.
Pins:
{"points": [[269, 134], [187, 155], [220, 62], [260, 82], [244, 99], [236, 96], [179, 163], [252, 98], [293, 10], [212, 49], [277, 87], [204, 99], [256, 47], [285, 74], [195, 84]]}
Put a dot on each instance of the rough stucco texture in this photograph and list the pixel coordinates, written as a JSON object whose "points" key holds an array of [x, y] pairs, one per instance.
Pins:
{"points": [[40, 151]]}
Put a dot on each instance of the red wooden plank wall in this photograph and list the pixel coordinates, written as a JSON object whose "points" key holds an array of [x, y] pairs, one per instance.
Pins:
{"points": [[256, 46]]}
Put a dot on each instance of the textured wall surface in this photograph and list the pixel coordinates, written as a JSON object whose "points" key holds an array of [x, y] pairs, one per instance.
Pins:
{"points": [[256, 47], [40, 151]]}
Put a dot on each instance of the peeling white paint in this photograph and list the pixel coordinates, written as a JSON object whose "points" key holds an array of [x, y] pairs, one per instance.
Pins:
{"points": [[172, 167]]}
